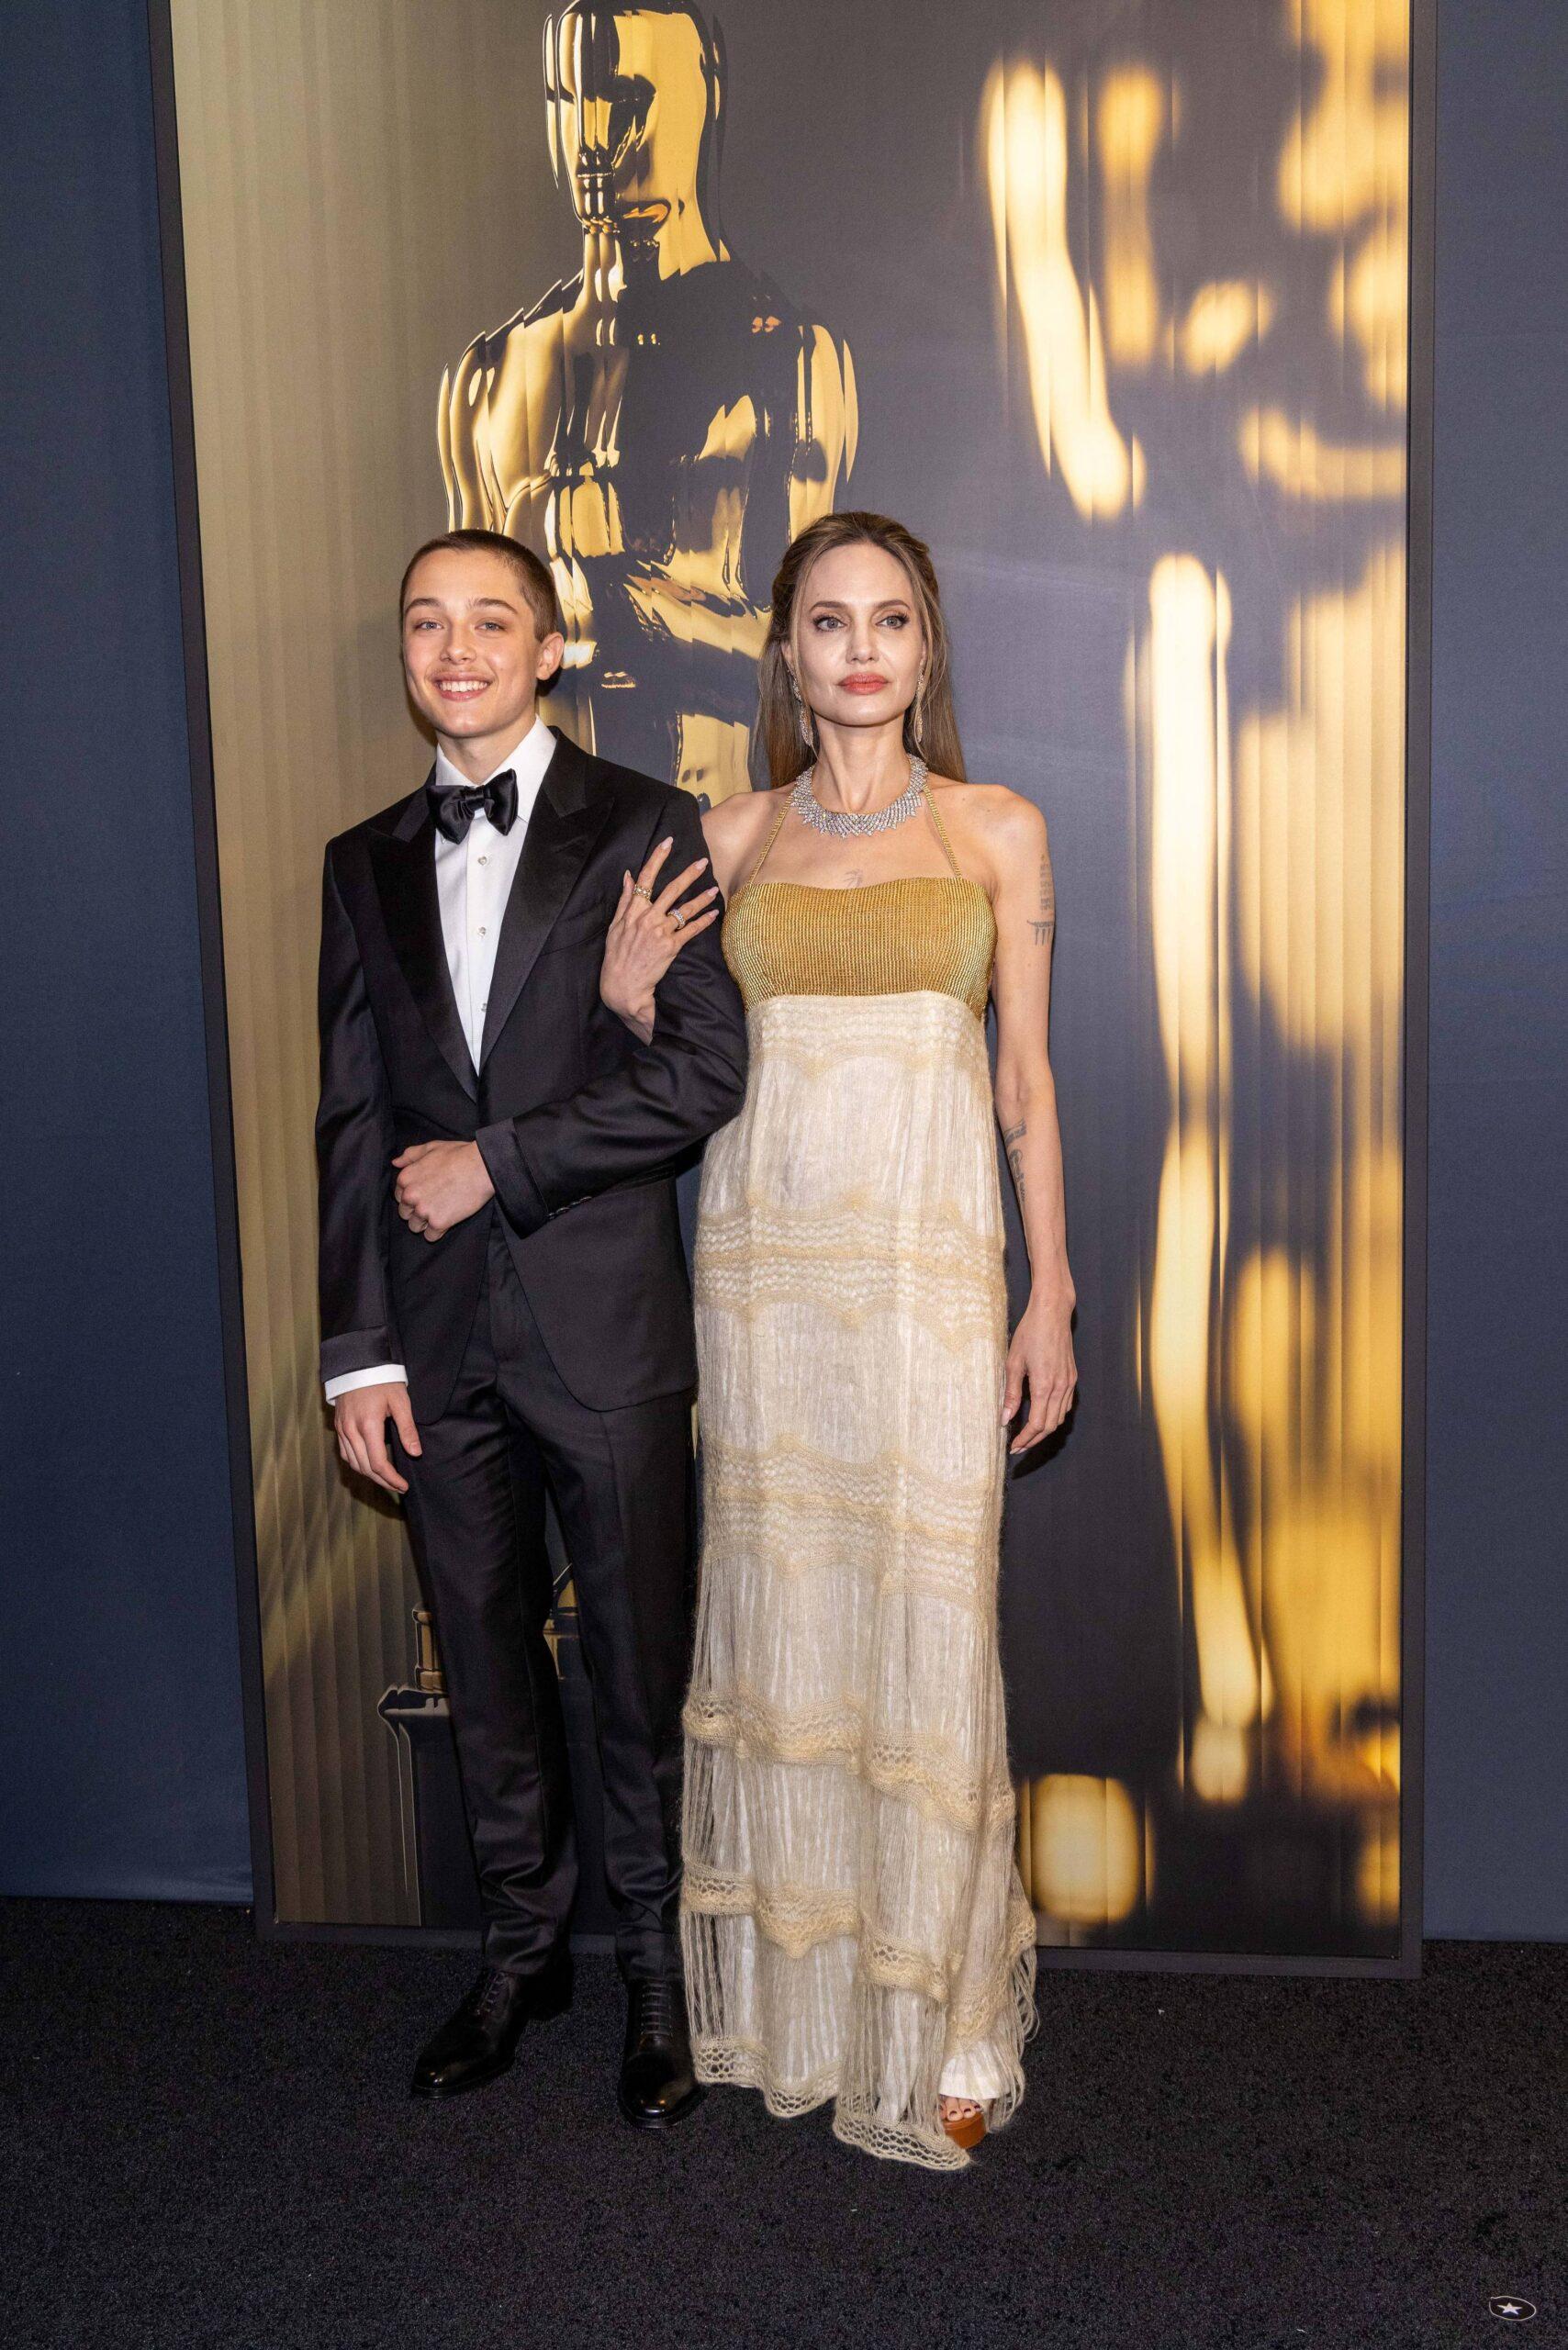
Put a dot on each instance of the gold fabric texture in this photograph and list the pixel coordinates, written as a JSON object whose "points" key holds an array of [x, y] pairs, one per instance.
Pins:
{"points": [[853, 1920], [888, 938]]}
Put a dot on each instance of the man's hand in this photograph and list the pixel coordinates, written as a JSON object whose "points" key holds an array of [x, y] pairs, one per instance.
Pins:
{"points": [[440, 1184], [361, 1418]]}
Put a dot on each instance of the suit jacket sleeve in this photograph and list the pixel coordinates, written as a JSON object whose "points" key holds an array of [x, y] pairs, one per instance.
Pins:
{"points": [[354, 1152], [674, 1091]]}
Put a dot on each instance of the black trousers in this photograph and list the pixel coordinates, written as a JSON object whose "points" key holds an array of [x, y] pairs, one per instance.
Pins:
{"points": [[621, 1484]]}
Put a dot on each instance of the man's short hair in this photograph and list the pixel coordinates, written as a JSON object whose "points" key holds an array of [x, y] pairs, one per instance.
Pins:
{"points": [[532, 576]]}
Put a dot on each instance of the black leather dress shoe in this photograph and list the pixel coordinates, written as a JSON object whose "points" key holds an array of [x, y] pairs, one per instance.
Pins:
{"points": [[479, 2041], [657, 2084]]}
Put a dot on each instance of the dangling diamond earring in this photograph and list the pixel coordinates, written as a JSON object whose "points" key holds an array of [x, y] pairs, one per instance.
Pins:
{"points": [[808, 731]]}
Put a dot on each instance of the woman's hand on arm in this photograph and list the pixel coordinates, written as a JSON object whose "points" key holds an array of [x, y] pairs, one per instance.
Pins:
{"points": [[645, 938], [1040, 1358], [649, 928]]}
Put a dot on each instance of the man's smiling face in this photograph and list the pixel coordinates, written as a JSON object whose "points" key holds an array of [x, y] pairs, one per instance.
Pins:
{"points": [[472, 651]]}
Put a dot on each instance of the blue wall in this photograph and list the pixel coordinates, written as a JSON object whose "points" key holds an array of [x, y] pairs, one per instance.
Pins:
{"points": [[121, 1769], [1497, 1486]]}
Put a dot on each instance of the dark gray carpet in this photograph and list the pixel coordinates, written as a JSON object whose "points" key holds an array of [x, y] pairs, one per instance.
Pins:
{"points": [[208, 2141]]}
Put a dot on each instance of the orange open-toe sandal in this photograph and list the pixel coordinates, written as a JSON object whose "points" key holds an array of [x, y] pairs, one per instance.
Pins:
{"points": [[965, 2130]]}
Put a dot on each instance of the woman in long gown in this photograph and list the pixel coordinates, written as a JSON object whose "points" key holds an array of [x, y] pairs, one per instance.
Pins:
{"points": [[853, 1922]]}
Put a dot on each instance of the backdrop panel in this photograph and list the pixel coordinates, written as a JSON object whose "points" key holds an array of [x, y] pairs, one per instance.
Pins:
{"points": [[1111, 307]]}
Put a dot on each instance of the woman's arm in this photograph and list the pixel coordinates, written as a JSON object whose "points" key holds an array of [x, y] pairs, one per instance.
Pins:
{"points": [[654, 919], [1024, 899], [643, 941], [639, 1120]]}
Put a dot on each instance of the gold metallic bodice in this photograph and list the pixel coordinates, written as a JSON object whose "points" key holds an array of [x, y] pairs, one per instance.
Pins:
{"points": [[933, 933]]}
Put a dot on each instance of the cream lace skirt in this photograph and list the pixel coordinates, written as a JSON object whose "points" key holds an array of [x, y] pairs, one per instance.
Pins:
{"points": [[853, 1921]]}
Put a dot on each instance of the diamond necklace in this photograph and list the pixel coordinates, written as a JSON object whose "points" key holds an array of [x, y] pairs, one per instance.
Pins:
{"points": [[848, 825]]}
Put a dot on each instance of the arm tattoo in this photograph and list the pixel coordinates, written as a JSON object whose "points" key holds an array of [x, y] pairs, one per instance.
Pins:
{"points": [[1012, 1136], [1044, 921]]}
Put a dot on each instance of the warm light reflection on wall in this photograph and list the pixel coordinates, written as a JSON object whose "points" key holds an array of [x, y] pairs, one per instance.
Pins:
{"points": [[1287, 451], [1024, 140], [1313, 1369], [1080, 1849], [1221, 321], [1345, 171], [1271, 835], [1129, 119], [1190, 856]]}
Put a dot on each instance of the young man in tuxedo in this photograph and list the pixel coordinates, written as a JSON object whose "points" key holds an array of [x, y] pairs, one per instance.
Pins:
{"points": [[504, 1301]]}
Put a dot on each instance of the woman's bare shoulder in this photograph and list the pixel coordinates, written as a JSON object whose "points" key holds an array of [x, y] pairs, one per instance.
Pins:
{"points": [[736, 829], [731, 823], [995, 819], [990, 803]]}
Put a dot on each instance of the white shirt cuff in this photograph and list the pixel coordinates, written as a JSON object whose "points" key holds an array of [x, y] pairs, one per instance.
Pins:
{"points": [[381, 1374]]}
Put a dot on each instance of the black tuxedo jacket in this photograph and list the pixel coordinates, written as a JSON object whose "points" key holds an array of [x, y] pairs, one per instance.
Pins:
{"points": [[581, 1126]]}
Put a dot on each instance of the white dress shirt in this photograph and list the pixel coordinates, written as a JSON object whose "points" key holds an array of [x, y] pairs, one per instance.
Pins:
{"points": [[473, 881]]}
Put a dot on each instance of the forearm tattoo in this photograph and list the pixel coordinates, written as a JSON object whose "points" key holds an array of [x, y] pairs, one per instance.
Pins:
{"points": [[1012, 1138]]}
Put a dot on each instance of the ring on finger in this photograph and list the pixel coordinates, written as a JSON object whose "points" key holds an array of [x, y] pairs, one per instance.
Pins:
{"points": [[678, 919], [638, 891]]}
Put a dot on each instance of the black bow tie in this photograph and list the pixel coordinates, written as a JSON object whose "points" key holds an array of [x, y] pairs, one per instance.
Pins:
{"points": [[455, 807]]}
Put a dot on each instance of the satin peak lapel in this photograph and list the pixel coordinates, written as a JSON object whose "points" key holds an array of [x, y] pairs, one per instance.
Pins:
{"points": [[556, 849], [404, 863]]}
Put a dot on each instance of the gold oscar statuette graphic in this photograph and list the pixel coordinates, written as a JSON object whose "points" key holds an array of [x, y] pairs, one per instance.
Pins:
{"points": [[428, 1675], [440, 1886], [659, 425]]}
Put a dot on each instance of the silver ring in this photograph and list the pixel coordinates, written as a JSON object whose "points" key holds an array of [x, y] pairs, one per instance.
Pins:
{"points": [[678, 919]]}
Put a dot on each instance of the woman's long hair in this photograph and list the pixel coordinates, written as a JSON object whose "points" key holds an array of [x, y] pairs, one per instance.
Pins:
{"points": [[779, 736]]}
